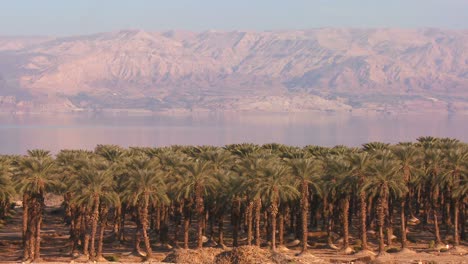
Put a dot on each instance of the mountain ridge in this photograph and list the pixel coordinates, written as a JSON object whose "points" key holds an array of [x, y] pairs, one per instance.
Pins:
{"points": [[327, 69]]}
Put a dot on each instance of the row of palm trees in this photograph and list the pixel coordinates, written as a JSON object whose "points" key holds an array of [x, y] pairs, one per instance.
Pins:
{"points": [[266, 190]]}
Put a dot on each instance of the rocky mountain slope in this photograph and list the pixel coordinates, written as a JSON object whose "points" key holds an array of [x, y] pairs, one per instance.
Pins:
{"points": [[385, 70]]}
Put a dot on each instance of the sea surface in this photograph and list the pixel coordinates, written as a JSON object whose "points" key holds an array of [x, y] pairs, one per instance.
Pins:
{"points": [[54, 132]]}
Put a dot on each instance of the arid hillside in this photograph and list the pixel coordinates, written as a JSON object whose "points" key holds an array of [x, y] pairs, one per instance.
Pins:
{"points": [[383, 70]]}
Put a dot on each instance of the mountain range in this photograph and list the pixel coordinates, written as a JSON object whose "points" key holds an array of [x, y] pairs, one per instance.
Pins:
{"points": [[326, 69]]}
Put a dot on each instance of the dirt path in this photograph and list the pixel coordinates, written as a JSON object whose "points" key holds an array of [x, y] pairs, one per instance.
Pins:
{"points": [[10, 239]]}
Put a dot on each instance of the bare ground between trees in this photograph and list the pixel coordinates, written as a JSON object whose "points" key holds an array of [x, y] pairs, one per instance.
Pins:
{"points": [[55, 248]]}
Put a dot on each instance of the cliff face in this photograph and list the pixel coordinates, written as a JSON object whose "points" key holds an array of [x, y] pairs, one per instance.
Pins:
{"points": [[322, 69]]}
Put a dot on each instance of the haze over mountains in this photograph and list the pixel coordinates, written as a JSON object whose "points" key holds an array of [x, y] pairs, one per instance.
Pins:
{"points": [[358, 70]]}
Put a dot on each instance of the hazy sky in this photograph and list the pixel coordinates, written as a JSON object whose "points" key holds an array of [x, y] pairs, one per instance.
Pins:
{"points": [[63, 17]]}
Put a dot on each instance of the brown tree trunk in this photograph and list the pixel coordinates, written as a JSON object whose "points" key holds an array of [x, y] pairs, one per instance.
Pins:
{"points": [[102, 227], [389, 225], [380, 222], [86, 244], [157, 220], [436, 226], [145, 226], [304, 211], [345, 215], [94, 223], [281, 229], [25, 216], [200, 216], [186, 211], [26, 235], [363, 216], [258, 208], [274, 212], [462, 213], [235, 219], [32, 226], [137, 239], [249, 222], [117, 216], [37, 244], [403, 223], [122, 222], [329, 224], [186, 232], [456, 235], [220, 230]]}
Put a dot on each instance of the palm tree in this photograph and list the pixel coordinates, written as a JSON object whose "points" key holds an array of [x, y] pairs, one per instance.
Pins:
{"points": [[273, 187], [433, 166], [34, 176], [144, 186], [460, 193], [222, 161], [383, 183], [339, 171], [360, 163], [249, 169], [307, 173], [94, 188], [409, 159], [194, 180], [452, 181], [70, 163], [7, 190]]}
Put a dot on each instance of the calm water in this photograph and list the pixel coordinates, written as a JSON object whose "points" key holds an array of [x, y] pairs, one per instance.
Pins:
{"points": [[83, 131]]}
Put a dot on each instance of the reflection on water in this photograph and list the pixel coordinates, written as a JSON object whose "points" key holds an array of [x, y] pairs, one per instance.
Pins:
{"points": [[83, 131]]}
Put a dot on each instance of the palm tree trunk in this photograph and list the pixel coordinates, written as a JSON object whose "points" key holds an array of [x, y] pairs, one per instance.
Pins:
{"points": [[258, 208], [200, 217], [329, 224], [32, 239], [456, 235], [94, 224], [137, 239], [122, 223], [25, 217], [25, 232], [100, 241], [186, 213], [436, 226], [86, 244], [345, 212], [380, 222], [235, 215], [403, 223], [31, 229], [281, 229], [157, 220], [249, 222], [371, 213], [186, 232], [37, 244], [220, 230], [274, 212], [463, 219], [409, 201], [118, 215], [389, 225], [74, 229], [304, 211], [363, 216], [145, 226]]}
